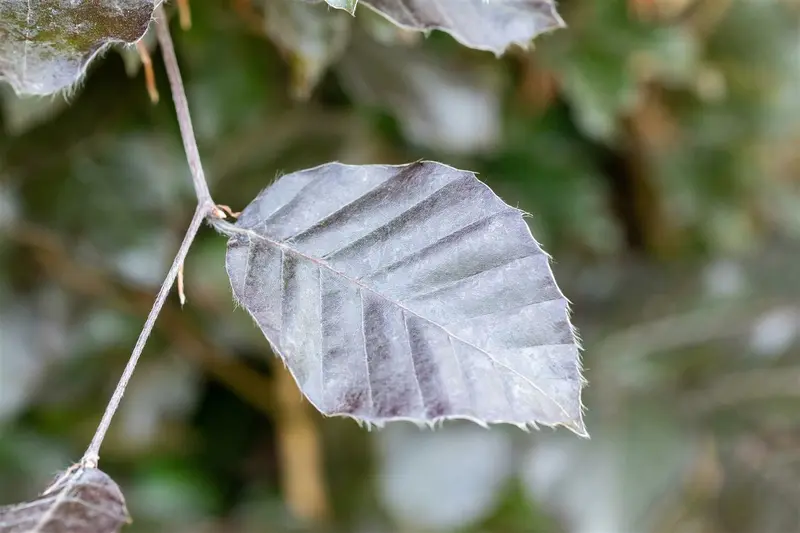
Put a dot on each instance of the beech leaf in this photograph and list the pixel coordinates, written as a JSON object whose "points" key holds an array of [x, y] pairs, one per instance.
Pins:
{"points": [[84, 501], [46, 45], [407, 292], [491, 25]]}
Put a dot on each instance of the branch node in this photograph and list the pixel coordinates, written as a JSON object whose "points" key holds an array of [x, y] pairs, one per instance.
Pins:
{"points": [[90, 461], [205, 209]]}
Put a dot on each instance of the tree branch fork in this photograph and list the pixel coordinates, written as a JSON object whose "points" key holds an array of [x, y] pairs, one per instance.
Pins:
{"points": [[206, 209]]}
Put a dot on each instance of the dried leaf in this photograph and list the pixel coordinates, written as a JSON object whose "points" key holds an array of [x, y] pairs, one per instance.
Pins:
{"points": [[310, 36], [407, 292], [491, 25], [84, 501], [46, 45]]}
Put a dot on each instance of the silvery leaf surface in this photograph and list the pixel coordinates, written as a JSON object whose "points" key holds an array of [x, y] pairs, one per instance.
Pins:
{"points": [[46, 45], [407, 292]]}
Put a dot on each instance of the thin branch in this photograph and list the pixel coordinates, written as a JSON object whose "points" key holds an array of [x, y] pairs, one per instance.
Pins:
{"points": [[182, 110], [205, 208], [92, 455]]}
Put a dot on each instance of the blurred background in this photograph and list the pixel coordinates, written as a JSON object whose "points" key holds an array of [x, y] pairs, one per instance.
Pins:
{"points": [[654, 142]]}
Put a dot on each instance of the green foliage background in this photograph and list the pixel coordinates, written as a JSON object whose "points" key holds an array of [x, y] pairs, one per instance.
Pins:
{"points": [[655, 144]]}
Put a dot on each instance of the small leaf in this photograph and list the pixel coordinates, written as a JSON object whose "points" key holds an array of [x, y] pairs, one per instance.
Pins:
{"points": [[46, 45], [310, 36], [407, 292], [491, 25], [84, 501]]}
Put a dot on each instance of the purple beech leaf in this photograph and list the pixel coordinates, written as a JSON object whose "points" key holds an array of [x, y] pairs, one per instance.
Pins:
{"points": [[46, 45], [84, 501], [491, 25], [407, 292]]}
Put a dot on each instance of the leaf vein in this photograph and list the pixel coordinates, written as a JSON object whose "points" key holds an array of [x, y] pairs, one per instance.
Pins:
{"points": [[366, 353], [389, 222], [359, 283], [431, 246], [453, 283], [413, 362]]}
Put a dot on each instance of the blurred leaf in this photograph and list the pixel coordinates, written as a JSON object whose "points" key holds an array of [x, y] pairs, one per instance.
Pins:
{"points": [[145, 262], [23, 113], [22, 361], [224, 60], [172, 494], [9, 206], [408, 292], [443, 480], [544, 159], [163, 390], [440, 104], [616, 481], [607, 56], [21, 474], [45, 46], [85, 501], [310, 36], [484, 25]]}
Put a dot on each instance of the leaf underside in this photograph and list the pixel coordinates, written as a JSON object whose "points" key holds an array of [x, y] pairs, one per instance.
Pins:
{"points": [[491, 25], [86, 501], [46, 45], [407, 292]]}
